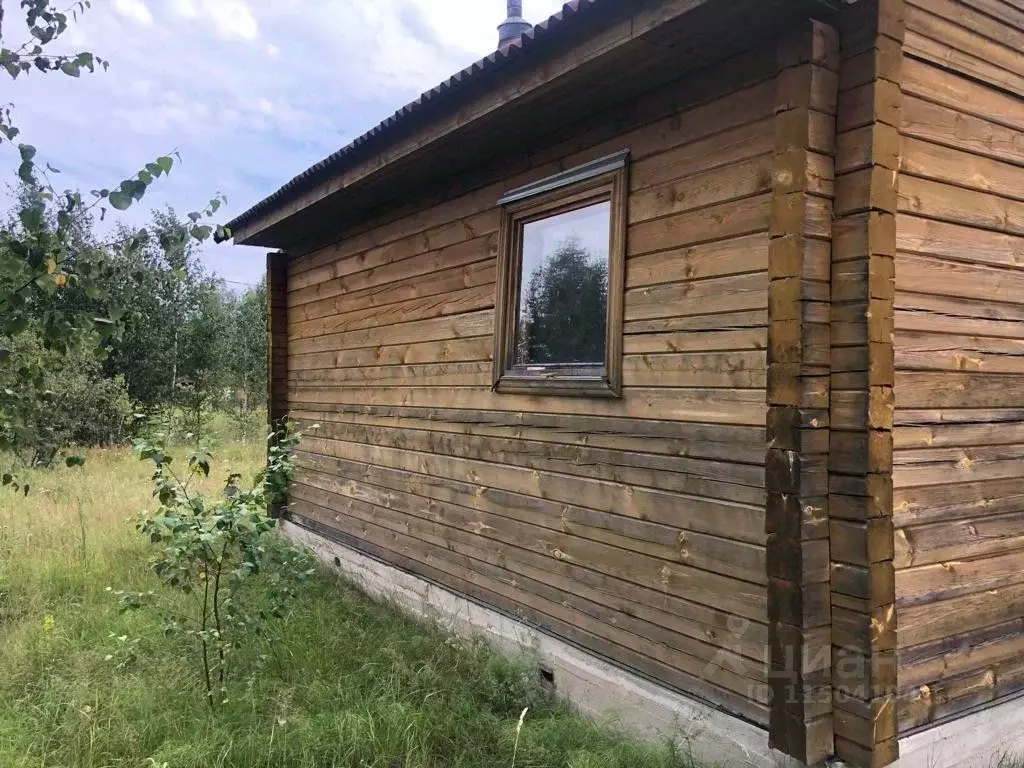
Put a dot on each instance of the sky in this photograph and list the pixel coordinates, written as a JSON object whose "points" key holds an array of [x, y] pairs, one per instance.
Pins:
{"points": [[249, 92]]}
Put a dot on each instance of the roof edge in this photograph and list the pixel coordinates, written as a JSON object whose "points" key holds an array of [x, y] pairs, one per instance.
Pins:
{"points": [[534, 41]]}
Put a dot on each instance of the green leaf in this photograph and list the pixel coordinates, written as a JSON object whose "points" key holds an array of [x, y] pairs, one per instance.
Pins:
{"points": [[27, 152], [25, 172], [70, 68], [165, 163], [120, 200], [74, 461]]}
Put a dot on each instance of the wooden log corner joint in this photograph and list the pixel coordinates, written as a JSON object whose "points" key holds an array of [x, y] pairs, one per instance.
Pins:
{"points": [[691, 333]]}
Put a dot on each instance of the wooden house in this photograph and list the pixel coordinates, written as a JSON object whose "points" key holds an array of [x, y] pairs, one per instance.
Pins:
{"points": [[689, 334]]}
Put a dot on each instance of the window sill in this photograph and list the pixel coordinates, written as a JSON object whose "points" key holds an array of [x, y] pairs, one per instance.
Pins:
{"points": [[577, 386]]}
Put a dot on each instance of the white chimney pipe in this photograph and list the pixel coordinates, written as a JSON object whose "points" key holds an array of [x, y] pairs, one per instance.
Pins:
{"points": [[514, 27]]}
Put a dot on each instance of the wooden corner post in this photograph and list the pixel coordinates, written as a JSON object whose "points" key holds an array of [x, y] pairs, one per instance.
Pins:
{"points": [[860, 458], [277, 342], [796, 473]]}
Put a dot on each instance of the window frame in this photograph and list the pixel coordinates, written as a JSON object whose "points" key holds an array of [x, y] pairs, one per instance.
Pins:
{"points": [[603, 180]]}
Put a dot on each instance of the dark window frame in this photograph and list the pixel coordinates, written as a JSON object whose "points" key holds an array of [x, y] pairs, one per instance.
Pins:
{"points": [[604, 180]]}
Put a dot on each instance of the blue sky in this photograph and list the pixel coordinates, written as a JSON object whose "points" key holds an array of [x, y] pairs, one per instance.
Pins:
{"points": [[250, 92]]}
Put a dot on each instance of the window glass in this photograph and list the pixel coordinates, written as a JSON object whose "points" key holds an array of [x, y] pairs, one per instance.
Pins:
{"points": [[563, 297]]}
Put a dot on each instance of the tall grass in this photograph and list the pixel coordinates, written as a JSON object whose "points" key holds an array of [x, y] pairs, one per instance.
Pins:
{"points": [[353, 682]]}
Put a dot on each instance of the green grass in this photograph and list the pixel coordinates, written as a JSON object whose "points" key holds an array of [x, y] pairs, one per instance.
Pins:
{"points": [[354, 683]]}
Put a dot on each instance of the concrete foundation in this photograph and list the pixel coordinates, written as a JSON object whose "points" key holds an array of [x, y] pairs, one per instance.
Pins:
{"points": [[979, 740], [607, 693]]}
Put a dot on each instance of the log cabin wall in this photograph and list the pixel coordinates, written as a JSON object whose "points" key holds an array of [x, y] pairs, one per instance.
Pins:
{"points": [[959, 345], [633, 527]]}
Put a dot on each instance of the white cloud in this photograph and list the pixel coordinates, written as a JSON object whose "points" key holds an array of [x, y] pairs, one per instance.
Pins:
{"points": [[473, 26], [232, 17], [136, 10], [273, 51], [186, 8]]}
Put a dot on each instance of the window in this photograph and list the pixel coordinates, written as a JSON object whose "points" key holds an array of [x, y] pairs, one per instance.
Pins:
{"points": [[560, 293]]}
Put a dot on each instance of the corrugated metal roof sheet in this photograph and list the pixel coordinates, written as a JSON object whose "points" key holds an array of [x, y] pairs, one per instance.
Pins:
{"points": [[543, 34]]}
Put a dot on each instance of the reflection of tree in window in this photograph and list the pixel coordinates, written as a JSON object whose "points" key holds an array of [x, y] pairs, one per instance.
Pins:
{"points": [[564, 308]]}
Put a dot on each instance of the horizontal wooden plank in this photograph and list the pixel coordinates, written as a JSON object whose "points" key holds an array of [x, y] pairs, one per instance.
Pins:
{"points": [[472, 324], [1008, 12], [715, 259], [947, 125], [426, 308], [632, 567], [731, 146], [959, 653], [474, 374], [446, 226], [947, 202], [754, 320], [943, 503], [712, 478], [574, 428], [724, 406], [582, 536], [937, 52], [955, 540], [935, 620], [957, 28], [397, 268], [450, 351], [994, 28], [696, 341], [939, 85], [918, 235], [951, 696], [442, 280], [742, 370], [925, 430], [960, 316], [954, 166], [734, 293], [915, 350], [926, 584], [915, 389], [743, 522], [719, 222], [930, 274], [719, 185], [682, 442]]}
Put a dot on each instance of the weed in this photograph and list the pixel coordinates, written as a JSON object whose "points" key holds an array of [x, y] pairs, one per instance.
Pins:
{"points": [[355, 682]]}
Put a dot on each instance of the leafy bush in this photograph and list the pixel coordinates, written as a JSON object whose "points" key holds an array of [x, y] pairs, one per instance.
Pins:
{"points": [[72, 402], [225, 552]]}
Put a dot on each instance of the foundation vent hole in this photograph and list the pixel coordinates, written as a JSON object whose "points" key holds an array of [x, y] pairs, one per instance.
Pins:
{"points": [[547, 677]]}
